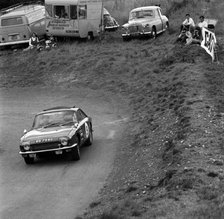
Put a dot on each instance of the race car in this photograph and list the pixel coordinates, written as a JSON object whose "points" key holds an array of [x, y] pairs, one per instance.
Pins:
{"points": [[58, 130]]}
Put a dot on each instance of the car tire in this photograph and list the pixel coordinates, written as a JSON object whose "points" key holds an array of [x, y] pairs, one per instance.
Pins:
{"points": [[126, 39], [154, 33], [75, 153], [29, 160], [89, 140]]}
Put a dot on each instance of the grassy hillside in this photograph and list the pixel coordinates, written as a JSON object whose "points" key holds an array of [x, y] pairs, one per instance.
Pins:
{"points": [[170, 163]]}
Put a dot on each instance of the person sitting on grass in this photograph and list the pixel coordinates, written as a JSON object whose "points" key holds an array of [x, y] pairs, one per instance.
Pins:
{"points": [[33, 42], [202, 23], [188, 23]]}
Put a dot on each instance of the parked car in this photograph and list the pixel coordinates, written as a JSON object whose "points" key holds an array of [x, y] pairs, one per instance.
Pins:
{"points": [[145, 21], [58, 130], [18, 22], [110, 24]]}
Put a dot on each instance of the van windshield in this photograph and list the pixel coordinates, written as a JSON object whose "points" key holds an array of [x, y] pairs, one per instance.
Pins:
{"points": [[12, 21]]}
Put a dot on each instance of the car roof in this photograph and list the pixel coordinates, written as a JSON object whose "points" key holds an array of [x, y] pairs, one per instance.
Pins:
{"points": [[145, 8], [57, 109], [62, 2], [22, 10]]}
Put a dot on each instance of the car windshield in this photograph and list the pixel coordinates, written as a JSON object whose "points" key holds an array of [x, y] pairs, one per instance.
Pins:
{"points": [[57, 118], [141, 14]]}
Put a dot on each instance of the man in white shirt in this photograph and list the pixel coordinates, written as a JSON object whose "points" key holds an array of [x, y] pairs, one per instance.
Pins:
{"points": [[188, 23], [202, 22]]}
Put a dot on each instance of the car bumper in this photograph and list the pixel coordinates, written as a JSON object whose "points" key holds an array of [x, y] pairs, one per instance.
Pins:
{"points": [[110, 28], [14, 43], [48, 150], [136, 34]]}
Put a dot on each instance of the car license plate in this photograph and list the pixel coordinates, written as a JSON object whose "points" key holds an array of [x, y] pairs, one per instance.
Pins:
{"points": [[32, 155], [14, 37], [58, 152]]}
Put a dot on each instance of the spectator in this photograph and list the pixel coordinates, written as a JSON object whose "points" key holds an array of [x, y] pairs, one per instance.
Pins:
{"points": [[202, 22], [33, 42], [188, 23]]}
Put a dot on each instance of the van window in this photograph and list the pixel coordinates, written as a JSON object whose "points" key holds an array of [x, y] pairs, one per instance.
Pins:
{"points": [[73, 12], [12, 21], [49, 10], [82, 11], [60, 11]]}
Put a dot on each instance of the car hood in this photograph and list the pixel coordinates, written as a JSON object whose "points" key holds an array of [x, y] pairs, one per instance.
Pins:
{"points": [[137, 22], [47, 134]]}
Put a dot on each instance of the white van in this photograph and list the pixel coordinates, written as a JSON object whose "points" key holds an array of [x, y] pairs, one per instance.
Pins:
{"points": [[18, 22], [74, 18]]}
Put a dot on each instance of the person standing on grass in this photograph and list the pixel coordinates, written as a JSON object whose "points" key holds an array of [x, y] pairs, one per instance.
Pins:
{"points": [[188, 23]]}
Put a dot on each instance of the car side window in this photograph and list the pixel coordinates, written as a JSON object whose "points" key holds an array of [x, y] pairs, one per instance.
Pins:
{"points": [[83, 114], [79, 116]]}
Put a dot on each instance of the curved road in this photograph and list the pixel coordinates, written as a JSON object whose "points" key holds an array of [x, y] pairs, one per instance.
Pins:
{"points": [[55, 188]]}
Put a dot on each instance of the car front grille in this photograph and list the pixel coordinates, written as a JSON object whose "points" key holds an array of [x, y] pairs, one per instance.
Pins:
{"points": [[135, 29], [45, 146]]}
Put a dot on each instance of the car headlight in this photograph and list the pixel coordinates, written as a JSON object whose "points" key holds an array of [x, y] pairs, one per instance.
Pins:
{"points": [[26, 145], [64, 141]]}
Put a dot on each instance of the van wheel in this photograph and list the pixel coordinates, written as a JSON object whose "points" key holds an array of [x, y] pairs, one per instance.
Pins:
{"points": [[90, 36]]}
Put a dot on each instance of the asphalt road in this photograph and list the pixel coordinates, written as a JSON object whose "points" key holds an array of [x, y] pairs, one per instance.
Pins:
{"points": [[55, 188]]}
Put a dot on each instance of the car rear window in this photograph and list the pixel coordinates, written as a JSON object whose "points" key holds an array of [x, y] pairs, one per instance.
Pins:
{"points": [[11, 21]]}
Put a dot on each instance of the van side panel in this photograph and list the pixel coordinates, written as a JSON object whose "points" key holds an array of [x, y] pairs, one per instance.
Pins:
{"points": [[79, 27], [93, 21]]}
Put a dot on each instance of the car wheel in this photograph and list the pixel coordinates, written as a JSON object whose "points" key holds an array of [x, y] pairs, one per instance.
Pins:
{"points": [[126, 39], [75, 153], [89, 140], [29, 160], [153, 33]]}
